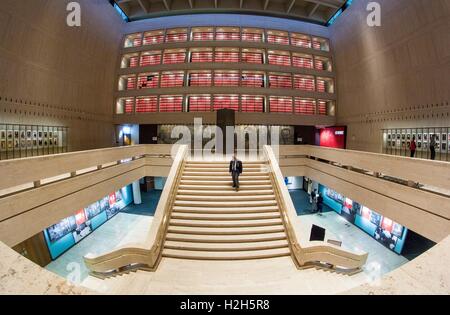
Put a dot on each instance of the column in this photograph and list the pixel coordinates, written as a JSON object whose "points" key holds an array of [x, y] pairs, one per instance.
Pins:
{"points": [[137, 193]]}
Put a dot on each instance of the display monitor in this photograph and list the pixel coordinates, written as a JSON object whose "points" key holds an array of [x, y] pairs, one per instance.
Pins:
{"points": [[317, 233]]}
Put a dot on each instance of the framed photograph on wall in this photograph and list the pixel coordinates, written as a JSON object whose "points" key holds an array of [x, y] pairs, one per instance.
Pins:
{"points": [[10, 144], [16, 134], [10, 134], [3, 145], [29, 134], [2, 134], [419, 136]]}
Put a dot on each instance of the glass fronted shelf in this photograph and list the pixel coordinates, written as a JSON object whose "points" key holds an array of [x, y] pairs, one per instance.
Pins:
{"points": [[397, 141], [19, 141]]}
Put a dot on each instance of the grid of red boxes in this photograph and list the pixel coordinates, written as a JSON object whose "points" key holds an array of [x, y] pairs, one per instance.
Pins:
{"points": [[252, 80], [177, 37], [302, 62], [252, 57], [226, 101], [304, 83], [171, 103], [172, 79], [227, 56], [277, 39], [226, 78], [202, 36], [150, 60], [200, 79], [301, 42], [153, 39], [174, 57], [252, 37], [304, 106], [279, 60], [322, 107], [148, 81], [131, 83], [277, 81], [202, 56], [200, 103], [252, 104], [228, 36], [147, 104], [129, 105], [280, 104]]}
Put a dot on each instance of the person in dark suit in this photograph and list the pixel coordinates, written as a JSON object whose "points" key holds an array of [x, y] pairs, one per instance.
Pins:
{"points": [[235, 171]]}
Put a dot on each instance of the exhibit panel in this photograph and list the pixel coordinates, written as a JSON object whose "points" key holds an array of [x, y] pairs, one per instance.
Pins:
{"points": [[398, 142], [19, 141]]}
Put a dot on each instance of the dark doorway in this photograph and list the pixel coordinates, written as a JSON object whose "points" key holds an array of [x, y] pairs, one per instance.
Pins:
{"points": [[148, 134]]}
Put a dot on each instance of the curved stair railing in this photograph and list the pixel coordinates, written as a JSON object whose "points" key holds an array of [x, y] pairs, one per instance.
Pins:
{"points": [[320, 255], [145, 255]]}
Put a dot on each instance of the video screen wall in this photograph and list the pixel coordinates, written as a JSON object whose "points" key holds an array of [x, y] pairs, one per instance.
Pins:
{"points": [[18, 141], [69, 231], [397, 142], [389, 233]]}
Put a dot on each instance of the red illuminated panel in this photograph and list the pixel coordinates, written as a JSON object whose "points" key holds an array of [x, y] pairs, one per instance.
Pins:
{"points": [[202, 36], [131, 83], [153, 39], [129, 106], [321, 86], [317, 45], [147, 104], [80, 217], [276, 39], [304, 84], [319, 65], [174, 79], [302, 62], [134, 62], [252, 104], [172, 58], [200, 103], [226, 101], [250, 57], [280, 81], [333, 137], [226, 79], [252, 37], [148, 81], [227, 56], [301, 42], [387, 224], [112, 199], [174, 38], [279, 60], [322, 107], [280, 104], [252, 80], [202, 56], [200, 79], [171, 103], [304, 106], [228, 36], [137, 42], [150, 60]]}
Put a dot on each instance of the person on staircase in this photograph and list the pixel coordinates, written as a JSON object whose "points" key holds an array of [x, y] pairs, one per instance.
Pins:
{"points": [[235, 171]]}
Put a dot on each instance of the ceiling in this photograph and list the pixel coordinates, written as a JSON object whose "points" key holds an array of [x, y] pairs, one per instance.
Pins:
{"points": [[316, 11]]}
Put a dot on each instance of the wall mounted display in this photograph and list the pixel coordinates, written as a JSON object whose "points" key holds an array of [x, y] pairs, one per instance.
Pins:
{"points": [[28, 140], [69, 231], [422, 136], [384, 230]]}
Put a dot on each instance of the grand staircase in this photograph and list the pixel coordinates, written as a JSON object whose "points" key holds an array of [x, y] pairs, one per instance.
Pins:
{"points": [[211, 221]]}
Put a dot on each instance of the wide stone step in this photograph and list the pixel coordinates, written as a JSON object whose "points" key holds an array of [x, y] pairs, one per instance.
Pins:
{"points": [[226, 174], [225, 198], [225, 178], [225, 231], [224, 182], [251, 170], [222, 186], [245, 238], [224, 210], [237, 255], [231, 192], [226, 223], [224, 204], [226, 165], [225, 217], [225, 247]]}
